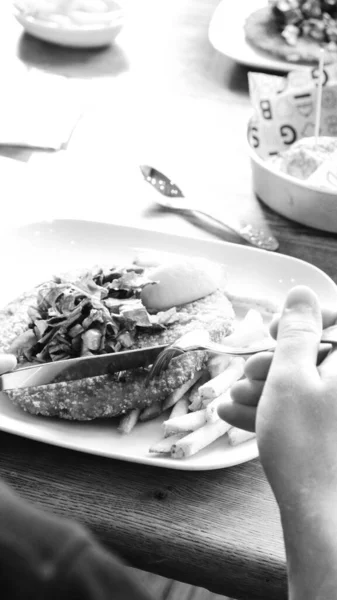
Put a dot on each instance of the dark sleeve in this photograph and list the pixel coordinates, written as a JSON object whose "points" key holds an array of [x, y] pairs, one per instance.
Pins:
{"points": [[43, 556], [96, 574]]}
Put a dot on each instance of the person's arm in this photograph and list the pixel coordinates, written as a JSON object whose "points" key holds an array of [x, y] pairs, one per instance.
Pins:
{"points": [[292, 403], [310, 536], [44, 556]]}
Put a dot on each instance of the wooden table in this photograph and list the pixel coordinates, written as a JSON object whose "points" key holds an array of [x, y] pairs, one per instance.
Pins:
{"points": [[161, 92]]}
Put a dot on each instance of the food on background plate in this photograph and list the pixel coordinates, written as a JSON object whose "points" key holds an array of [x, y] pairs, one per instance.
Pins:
{"points": [[117, 308], [325, 176], [304, 157], [295, 30]]}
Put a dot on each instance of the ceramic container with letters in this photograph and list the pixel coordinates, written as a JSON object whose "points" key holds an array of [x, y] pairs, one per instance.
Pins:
{"points": [[292, 198]]}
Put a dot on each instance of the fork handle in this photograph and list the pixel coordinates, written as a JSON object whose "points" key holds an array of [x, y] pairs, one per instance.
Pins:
{"points": [[228, 351], [261, 237], [269, 346]]}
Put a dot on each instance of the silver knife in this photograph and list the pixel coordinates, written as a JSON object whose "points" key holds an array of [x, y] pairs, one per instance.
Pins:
{"points": [[79, 368]]}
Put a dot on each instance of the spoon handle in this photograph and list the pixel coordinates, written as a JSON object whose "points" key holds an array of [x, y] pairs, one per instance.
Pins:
{"points": [[260, 237]]}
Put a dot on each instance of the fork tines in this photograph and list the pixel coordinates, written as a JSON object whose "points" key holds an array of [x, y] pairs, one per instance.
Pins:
{"points": [[163, 360]]}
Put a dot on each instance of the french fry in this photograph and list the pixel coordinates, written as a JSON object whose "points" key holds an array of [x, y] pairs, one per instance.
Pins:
{"points": [[185, 423], [199, 439], [217, 364], [212, 407], [196, 404], [128, 421], [220, 384], [151, 412], [180, 391], [205, 402], [194, 397], [264, 305], [180, 408], [237, 436], [164, 445], [251, 329], [248, 331]]}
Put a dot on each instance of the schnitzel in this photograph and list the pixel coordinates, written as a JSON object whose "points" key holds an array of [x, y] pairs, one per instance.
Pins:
{"points": [[101, 312]]}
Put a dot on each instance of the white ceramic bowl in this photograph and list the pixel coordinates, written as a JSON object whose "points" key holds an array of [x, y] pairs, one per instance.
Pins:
{"points": [[74, 36], [294, 198]]}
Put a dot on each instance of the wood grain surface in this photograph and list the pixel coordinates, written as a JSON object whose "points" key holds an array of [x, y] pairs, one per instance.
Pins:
{"points": [[218, 529], [160, 94]]}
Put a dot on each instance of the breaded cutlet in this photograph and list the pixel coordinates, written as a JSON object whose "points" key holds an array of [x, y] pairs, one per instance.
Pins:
{"points": [[109, 395]]}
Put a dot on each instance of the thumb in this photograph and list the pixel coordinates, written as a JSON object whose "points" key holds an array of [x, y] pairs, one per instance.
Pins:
{"points": [[299, 330]]}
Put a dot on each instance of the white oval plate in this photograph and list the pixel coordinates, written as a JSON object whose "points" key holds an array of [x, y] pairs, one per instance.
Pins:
{"points": [[94, 36], [36, 251], [226, 34]]}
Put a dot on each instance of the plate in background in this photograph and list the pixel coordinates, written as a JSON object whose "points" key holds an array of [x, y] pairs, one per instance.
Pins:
{"points": [[73, 36], [226, 34]]}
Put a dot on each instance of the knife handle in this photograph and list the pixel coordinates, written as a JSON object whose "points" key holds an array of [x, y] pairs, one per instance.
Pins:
{"points": [[256, 236]]}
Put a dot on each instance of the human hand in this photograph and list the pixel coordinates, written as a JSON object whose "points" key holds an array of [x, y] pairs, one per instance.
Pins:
{"points": [[7, 363], [292, 403]]}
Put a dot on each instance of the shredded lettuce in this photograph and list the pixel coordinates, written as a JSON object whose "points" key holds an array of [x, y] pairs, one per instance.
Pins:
{"points": [[92, 312]]}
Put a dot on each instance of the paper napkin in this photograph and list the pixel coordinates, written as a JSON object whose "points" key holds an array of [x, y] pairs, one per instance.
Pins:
{"points": [[37, 109]]}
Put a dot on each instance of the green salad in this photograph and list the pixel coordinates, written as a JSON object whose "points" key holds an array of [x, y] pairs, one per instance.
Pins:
{"points": [[93, 312]]}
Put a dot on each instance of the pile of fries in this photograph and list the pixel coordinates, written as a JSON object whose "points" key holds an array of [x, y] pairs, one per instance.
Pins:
{"points": [[193, 423]]}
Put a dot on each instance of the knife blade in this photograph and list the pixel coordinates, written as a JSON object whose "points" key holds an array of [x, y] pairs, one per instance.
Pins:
{"points": [[79, 368]]}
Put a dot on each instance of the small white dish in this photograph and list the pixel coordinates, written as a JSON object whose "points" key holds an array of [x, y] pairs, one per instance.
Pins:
{"points": [[294, 198], [48, 247], [226, 34], [94, 35]]}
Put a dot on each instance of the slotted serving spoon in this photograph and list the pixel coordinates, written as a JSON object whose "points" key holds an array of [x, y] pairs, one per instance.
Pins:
{"points": [[171, 197], [329, 337]]}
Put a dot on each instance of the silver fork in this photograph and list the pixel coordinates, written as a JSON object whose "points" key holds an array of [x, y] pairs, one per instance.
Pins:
{"points": [[329, 336]]}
